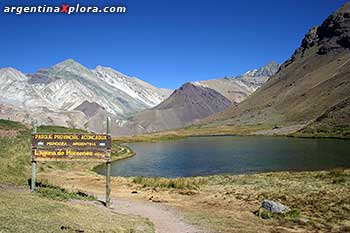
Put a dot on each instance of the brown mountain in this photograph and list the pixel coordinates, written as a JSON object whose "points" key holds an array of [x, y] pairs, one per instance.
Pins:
{"points": [[312, 86], [190, 102]]}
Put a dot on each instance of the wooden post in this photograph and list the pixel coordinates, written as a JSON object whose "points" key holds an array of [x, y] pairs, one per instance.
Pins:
{"points": [[108, 185], [33, 175], [108, 170], [33, 164]]}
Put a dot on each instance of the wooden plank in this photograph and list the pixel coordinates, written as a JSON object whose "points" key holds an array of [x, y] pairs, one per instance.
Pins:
{"points": [[73, 147], [62, 154], [40, 140], [68, 147]]}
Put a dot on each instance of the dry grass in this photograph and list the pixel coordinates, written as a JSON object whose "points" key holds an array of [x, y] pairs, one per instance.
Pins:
{"points": [[319, 200], [195, 130], [23, 212], [175, 183]]}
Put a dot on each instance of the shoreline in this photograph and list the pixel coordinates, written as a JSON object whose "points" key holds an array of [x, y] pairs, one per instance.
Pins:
{"points": [[158, 137], [221, 202], [130, 154], [293, 171]]}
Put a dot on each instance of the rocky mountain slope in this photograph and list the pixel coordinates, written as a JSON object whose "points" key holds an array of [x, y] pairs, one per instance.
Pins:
{"points": [[69, 94], [194, 101], [313, 83], [236, 89], [187, 104]]}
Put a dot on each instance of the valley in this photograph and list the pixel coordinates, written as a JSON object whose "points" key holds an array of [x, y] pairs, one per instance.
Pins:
{"points": [[68, 94], [216, 203], [201, 158]]}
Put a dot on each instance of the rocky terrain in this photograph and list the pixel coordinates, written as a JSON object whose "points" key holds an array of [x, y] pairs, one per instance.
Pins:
{"points": [[312, 86], [69, 94], [236, 89], [188, 103], [196, 100]]}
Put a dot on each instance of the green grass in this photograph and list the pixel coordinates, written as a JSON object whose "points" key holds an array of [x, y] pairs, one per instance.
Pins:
{"points": [[56, 193], [175, 183], [194, 130], [155, 137], [325, 130], [58, 129], [292, 215], [15, 158], [15, 153], [11, 125]]}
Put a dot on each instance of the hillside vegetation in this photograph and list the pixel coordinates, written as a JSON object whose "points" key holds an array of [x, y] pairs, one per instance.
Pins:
{"points": [[50, 208], [311, 87], [333, 123]]}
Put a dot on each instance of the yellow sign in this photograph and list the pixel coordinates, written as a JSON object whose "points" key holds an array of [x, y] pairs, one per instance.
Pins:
{"points": [[71, 147]]}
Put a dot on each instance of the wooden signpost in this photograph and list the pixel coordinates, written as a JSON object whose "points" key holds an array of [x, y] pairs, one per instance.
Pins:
{"points": [[72, 147]]}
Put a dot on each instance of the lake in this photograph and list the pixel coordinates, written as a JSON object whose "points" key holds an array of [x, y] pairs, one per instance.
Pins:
{"points": [[198, 156]]}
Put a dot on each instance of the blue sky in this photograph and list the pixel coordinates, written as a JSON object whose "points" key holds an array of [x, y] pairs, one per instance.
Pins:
{"points": [[166, 43]]}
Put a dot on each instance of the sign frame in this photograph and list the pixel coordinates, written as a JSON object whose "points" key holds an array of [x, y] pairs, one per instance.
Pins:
{"points": [[71, 147], [103, 149]]}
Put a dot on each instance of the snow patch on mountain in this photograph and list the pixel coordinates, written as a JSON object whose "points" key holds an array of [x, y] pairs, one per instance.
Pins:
{"points": [[238, 88]]}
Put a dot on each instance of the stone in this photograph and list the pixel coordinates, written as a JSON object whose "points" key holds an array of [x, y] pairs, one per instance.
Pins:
{"points": [[275, 207], [303, 220], [156, 200]]}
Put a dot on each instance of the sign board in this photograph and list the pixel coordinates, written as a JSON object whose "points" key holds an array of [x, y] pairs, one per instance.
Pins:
{"points": [[62, 147]]}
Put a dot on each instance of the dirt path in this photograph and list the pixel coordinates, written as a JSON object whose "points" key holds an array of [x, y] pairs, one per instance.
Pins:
{"points": [[165, 219], [8, 133]]}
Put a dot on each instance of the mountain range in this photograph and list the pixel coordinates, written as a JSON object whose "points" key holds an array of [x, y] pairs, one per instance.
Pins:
{"points": [[311, 91], [69, 94], [196, 100]]}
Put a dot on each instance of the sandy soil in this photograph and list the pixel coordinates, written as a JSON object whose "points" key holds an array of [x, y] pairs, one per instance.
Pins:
{"points": [[165, 219], [8, 133]]}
